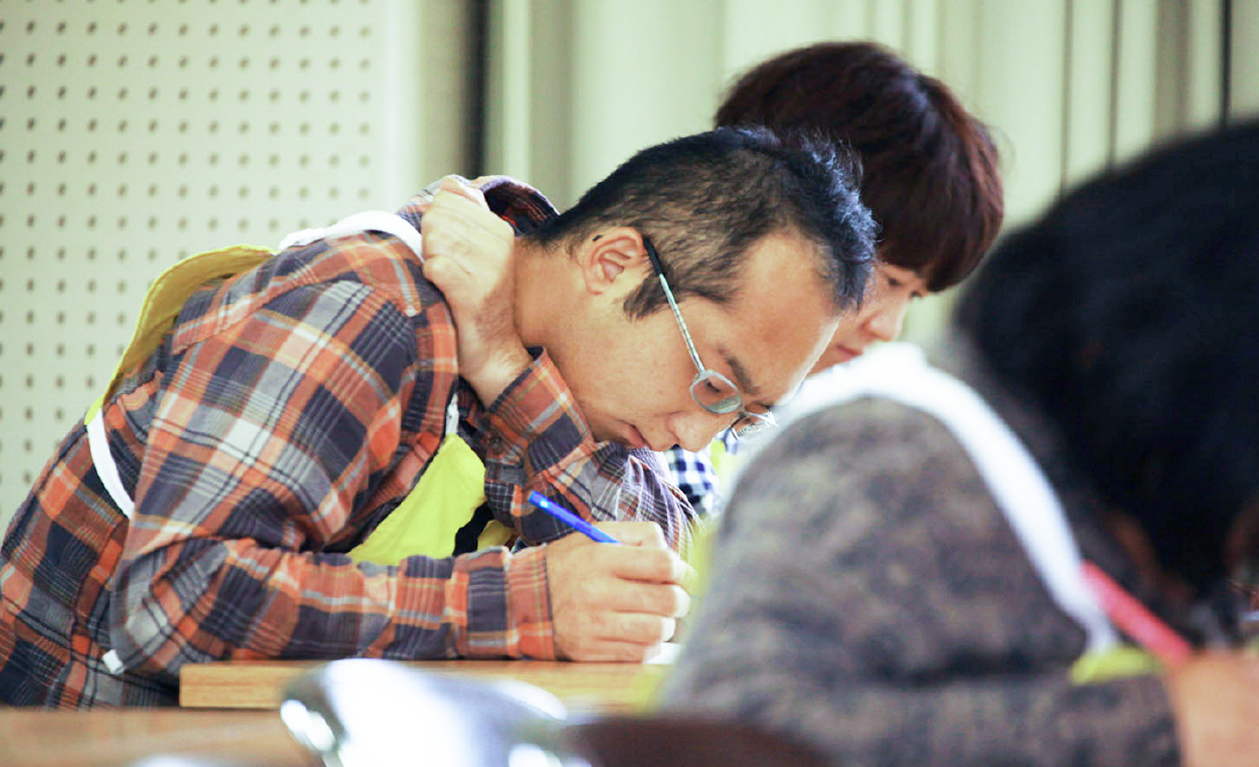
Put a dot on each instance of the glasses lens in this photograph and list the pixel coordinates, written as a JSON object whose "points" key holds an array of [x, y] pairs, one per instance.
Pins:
{"points": [[752, 424], [715, 393]]}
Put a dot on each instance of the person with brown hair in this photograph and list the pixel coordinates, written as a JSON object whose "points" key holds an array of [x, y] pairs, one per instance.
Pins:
{"points": [[930, 177]]}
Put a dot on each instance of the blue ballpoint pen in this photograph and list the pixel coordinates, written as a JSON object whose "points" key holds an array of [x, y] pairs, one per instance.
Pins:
{"points": [[564, 515]]}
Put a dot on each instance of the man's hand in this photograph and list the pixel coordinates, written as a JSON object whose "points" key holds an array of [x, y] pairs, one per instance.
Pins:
{"points": [[614, 602], [1215, 697], [468, 254]]}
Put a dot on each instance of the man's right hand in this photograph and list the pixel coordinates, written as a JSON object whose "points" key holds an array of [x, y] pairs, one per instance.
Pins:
{"points": [[1215, 697], [614, 602]]}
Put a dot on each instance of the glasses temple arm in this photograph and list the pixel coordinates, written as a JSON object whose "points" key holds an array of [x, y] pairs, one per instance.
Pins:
{"points": [[677, 314]]}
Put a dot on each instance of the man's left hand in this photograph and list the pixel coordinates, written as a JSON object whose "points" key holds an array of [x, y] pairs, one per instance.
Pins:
{"points": [[468, 255]]}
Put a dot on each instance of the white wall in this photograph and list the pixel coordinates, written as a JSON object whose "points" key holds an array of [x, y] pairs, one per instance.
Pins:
{"points": [[133, 134], [1069, 86]]}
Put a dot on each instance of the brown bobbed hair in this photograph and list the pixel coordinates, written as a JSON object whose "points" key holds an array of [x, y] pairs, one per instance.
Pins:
{"points": [[930, 169]]}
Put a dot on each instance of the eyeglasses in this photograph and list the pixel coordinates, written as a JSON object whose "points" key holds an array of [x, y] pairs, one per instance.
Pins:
{"points": [[710, 389]]}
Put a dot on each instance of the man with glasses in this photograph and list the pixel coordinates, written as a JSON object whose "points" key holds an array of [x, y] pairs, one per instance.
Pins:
{"points": [[296, 412]]}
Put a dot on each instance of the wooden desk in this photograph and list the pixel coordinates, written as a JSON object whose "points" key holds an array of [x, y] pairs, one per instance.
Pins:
{"points": [[113, 738], [257, 738], [612, 688]]}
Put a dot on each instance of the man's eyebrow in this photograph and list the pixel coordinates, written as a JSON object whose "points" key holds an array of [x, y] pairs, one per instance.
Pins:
{"points": [[742, 379]]}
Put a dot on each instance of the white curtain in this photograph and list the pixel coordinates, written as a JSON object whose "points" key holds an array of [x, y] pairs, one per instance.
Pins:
{"points": [[1069, 86]]}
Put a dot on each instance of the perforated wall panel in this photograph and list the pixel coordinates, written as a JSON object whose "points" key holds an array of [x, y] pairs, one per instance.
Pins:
{"points": [[134, 132]]}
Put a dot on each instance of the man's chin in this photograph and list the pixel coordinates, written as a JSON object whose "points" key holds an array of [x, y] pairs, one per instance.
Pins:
{"points": [[623, 434], [606, 435]]}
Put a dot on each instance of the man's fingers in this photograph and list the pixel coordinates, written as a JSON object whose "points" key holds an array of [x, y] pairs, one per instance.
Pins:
{"points": [[644, 555], [606, 651], [450, 189], [609, 635], [455, 208], [648, 564], [462, 187], [657, 599], [451, 181], [635, 533], [464, 219], [634, 628]]}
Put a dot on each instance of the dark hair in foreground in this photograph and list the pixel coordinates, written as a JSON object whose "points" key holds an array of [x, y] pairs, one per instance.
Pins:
{"points": [[1128, 313], [704, 200], [930, 168]]}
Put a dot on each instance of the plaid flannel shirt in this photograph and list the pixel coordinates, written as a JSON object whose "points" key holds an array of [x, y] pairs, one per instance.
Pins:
{"points": [[289, 410], [693, 474]]}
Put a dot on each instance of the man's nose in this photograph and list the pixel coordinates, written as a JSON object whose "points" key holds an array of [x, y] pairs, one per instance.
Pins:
{"points": [[695, 430]]}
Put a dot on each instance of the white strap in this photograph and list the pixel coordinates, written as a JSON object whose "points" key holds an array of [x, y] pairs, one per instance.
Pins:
{"points": [[1024, 495], [113, 662], [106, 468], [452, 417], [367, 221]]}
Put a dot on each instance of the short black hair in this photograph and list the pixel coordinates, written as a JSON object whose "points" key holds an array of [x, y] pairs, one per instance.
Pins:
{"points": [[1128, 314], [705, 200]]}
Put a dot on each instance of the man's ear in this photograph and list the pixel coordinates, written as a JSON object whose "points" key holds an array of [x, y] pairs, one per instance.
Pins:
{"points": [[613, 260]]}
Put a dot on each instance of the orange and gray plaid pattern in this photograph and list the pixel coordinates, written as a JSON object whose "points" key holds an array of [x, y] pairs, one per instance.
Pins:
{"points": [[289, 410]]}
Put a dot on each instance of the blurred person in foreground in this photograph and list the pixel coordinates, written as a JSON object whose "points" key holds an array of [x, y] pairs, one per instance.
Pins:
{"points": [[911, 572]]}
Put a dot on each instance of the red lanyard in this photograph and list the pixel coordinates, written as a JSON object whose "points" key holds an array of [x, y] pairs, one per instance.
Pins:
{"points": [[1135, 620]]}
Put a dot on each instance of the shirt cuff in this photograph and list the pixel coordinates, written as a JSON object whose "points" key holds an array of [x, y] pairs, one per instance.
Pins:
{"points": [[498, 605], [529, 604]]}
